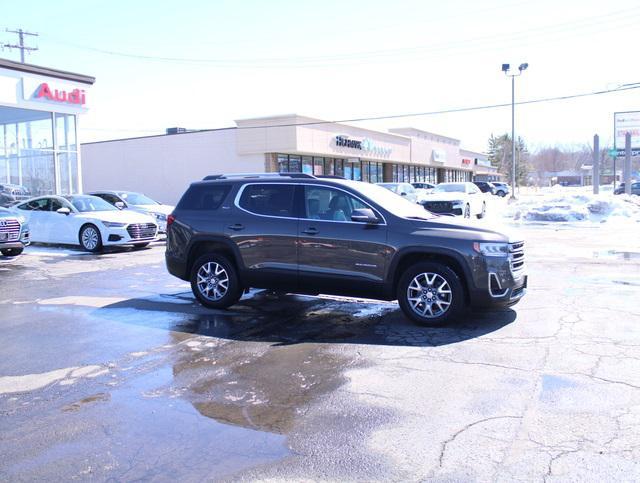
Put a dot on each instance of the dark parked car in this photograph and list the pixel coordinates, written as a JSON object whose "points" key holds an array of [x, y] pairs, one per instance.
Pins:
{"points": [[306, 234], [485, 187], [635, 188]]}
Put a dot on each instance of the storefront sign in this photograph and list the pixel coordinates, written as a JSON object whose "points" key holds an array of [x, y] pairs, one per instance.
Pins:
{"points": [[76, 96], [466, 161], [366, 145], [439, 156], [71, 96]]}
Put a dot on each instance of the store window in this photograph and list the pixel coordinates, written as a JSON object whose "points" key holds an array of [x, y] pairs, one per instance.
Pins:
{"points": [[283, 163], [318, 166], [307, 165], [34, 146]]}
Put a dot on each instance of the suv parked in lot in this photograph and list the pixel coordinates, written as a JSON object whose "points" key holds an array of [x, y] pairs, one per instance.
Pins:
{"points": [[14, 233], [485, 187], [307, 234], [502, 189]]}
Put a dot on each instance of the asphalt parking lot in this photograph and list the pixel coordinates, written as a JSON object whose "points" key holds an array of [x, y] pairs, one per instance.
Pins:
{"points": [[111, 371]]}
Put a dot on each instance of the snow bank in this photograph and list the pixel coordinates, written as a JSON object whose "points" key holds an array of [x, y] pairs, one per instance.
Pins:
{"points": [[559, 204]]}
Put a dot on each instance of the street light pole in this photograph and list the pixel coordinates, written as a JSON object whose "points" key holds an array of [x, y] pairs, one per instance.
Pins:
{"points": [[513, 75], [513, 137]]}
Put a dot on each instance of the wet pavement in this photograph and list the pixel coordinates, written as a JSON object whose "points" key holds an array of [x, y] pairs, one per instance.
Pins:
{"points": [[109, 370]]}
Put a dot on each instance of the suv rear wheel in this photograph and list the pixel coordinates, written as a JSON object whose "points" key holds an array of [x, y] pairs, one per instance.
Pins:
{"points": [[430, 293], [215, 282]]}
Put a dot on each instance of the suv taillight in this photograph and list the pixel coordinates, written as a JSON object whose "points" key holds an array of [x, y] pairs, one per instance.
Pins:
{"points": [[170, 220]]}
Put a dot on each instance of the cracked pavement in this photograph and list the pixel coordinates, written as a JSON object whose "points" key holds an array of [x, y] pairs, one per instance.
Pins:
{"points": [[110, 370]]}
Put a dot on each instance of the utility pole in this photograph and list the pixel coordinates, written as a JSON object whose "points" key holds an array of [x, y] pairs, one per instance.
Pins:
{"points": [[627, 163], [595, 178], [20, 45]]}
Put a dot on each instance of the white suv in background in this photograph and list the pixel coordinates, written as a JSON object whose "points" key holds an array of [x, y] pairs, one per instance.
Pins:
{"points": [[460, 199]]}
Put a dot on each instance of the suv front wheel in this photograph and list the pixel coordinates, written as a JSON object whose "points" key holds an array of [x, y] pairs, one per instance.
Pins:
{"points": [[430, 293], [215, 282]]}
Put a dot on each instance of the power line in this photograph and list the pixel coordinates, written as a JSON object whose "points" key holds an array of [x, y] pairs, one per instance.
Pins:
{"points": [[588, 23], [621, 88], [20, 45]]}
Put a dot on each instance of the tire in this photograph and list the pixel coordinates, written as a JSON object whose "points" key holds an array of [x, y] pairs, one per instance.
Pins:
{"points": [[90, 238], [138, 246], [467, 212], [11, 252], [483, 212], [434, 288], [502, 194], [207, 276]]}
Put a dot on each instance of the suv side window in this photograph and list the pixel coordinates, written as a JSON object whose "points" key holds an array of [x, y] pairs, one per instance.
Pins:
{"points": [[204, 197], [324, 203], [109, 198], [268, 199]]}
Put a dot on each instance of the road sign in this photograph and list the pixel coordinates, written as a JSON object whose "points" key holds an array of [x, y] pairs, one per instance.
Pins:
{"points": [[623, 123], [621, 153]]}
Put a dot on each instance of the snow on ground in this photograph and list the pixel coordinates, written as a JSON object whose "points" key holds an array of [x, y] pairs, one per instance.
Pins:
{"points": [[563, 204]]}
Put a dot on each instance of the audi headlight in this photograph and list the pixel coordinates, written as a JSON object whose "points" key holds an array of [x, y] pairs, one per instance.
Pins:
{"points": [[492, 249], [113, 224]]}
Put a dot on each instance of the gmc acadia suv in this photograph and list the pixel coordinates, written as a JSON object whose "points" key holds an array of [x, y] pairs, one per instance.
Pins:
{"points": [[300, 233]]}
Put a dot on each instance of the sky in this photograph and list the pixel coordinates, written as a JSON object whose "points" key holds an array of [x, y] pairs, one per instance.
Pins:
{"points": [[203, 64]]}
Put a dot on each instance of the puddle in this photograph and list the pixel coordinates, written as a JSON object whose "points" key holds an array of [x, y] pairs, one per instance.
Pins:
{"points": [[553, 385], [617, 255]]}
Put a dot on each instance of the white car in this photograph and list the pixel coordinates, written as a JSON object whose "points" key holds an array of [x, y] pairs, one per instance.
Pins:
{"points": [[87, 221], [461, 199], [403, 189], [138, 202]]}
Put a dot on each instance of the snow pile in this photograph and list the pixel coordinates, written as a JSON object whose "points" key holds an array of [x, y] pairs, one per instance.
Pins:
{"points": [[563, 205]]}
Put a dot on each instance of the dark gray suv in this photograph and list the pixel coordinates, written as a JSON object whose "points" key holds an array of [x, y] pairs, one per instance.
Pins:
{"points": [[305, 234]]}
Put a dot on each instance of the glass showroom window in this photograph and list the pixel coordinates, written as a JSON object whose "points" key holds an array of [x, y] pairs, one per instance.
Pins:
{"points": [[38, 151]]}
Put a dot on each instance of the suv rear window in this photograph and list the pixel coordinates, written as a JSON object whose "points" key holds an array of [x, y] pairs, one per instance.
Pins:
{"points": [[268, 199], [204, 197]]}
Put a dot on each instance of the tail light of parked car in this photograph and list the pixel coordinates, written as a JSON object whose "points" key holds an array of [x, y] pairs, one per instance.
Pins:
{"points": [[170, 220]]}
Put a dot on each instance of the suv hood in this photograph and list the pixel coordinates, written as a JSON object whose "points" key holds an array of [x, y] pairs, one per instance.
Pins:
{"points": [[163, 209], [468, 229]]}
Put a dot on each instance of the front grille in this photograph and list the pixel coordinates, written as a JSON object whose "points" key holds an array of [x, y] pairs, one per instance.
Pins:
{"points": [[516, 256], [438, 206], [140, 231], [9, 229]]}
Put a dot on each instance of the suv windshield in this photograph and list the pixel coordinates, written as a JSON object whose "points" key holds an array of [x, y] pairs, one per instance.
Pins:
{"points": [[449, 188], [90, 203], [136, 198], [390, 201]]}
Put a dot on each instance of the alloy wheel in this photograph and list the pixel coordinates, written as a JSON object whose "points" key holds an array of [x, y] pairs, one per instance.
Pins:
{"points": [[213, 281], [429, 295], [90, 238]]}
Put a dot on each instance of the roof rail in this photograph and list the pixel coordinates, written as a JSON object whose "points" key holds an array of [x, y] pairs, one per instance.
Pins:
{"points": [[329, 176], [257, 175]]}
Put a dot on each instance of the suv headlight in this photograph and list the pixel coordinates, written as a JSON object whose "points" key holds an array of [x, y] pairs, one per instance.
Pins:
{"points": [[160, 216], [113, 224], [492, 249], [457, 202]]}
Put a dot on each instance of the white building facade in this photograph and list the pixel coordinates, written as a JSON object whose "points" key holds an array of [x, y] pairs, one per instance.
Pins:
{"points": [[39, 111], [163, 166]]}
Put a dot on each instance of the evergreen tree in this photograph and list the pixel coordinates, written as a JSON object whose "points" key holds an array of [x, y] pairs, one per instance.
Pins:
{"points": [[500, 157]]}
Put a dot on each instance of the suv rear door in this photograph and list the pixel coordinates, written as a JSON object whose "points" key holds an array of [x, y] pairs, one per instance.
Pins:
{"points": [[336, 254], [265, 233]]}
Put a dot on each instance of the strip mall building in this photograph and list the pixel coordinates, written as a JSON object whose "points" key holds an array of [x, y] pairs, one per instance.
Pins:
{"points": [[163, 166], [39, 111]]}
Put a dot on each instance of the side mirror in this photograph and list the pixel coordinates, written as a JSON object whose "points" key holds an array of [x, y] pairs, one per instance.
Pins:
{"points": [[119, 205], [364, 215], [403, 194], [63, 211]]}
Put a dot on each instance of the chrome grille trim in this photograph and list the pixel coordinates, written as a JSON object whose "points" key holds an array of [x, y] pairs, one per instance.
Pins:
{"points": [[142, 231], [516, 256], [10, 226]]}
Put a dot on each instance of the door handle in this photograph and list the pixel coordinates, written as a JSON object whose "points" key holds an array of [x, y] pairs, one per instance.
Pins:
{"points": [[311, 231], [236, 227]]}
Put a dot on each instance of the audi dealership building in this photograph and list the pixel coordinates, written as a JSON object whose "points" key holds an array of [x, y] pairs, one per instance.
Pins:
{"points": [[163, 166], [39, 112]]}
